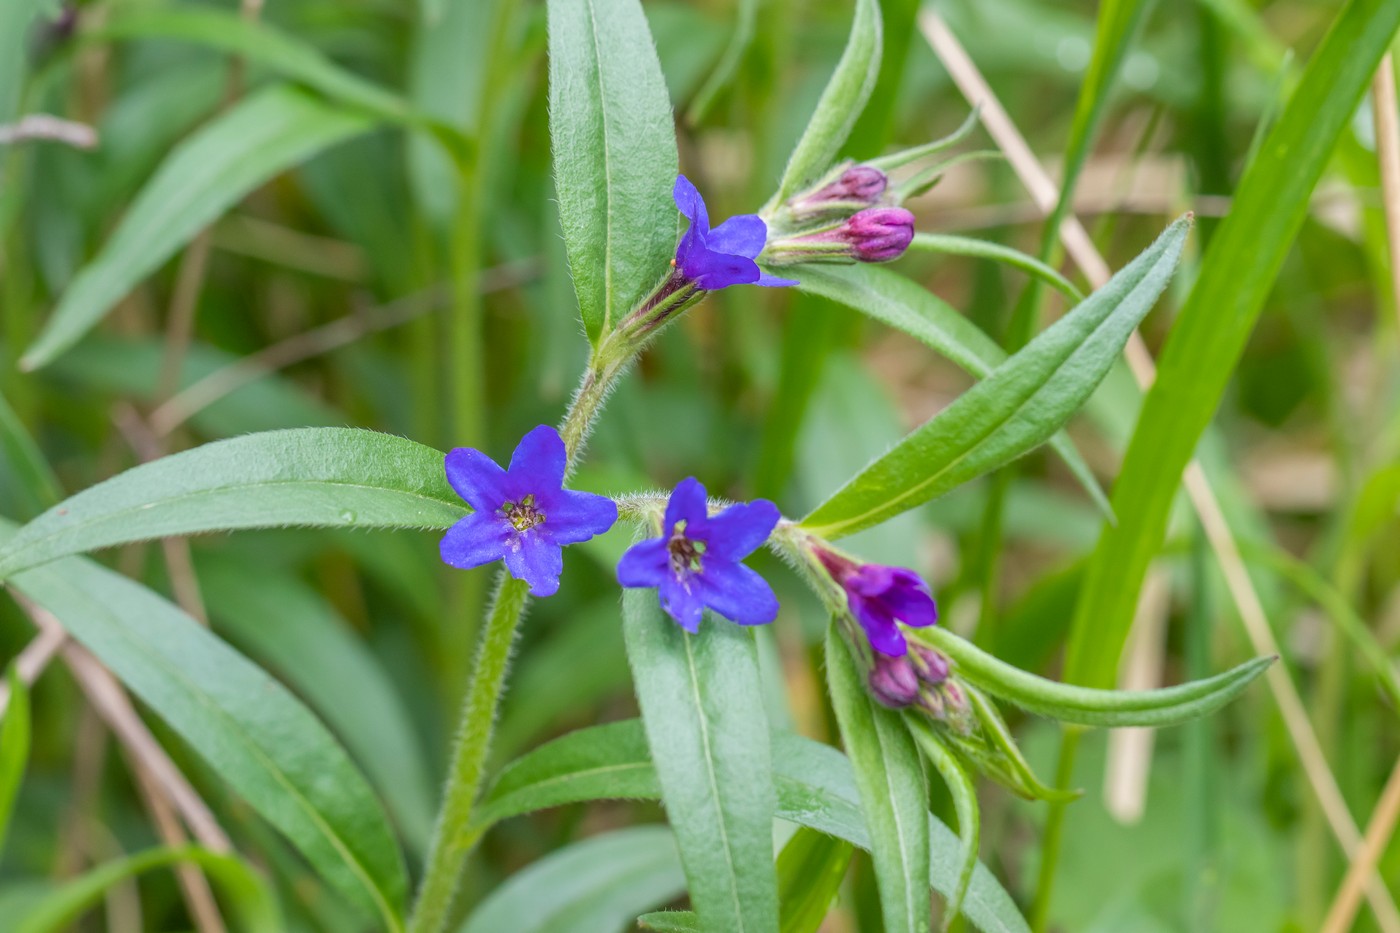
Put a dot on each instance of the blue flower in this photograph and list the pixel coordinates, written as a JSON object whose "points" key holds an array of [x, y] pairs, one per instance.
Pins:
{"points": [[522, 514], [724, 256], [695, 563], [880, 597]]}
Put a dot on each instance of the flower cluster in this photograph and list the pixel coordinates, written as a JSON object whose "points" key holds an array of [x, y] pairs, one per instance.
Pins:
{"points": [[850, 215]]}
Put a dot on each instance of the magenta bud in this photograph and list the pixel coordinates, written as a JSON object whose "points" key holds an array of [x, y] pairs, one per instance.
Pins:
{"points": [[893, 681], [879, 234], [863, 183], [932, 665]]}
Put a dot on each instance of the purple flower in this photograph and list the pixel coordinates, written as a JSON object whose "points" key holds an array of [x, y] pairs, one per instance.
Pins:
{"points": [[724, 256], [879, 596], [522, 514], [695, 563]]}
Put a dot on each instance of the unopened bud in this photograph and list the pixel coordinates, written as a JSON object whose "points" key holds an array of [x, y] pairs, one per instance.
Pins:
{"points": [[893, 681], [854, 187], [879, 234], [933, 666]]}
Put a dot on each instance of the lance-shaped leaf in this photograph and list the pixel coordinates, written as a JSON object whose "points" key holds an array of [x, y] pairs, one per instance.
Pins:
{"points": [[600, 883], [14, 748], [336, 477], [815, 785], [1086, 705], [615, 160], [251, 901], [703, 709], [964, 794], [893, 794], [898, 302], [810, 870], [259, 138], [840, 104], [1019, 406], [256, 736]]}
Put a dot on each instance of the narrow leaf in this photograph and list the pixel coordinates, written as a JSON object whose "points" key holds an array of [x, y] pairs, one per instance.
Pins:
{"points": [[614, 154], [814, 782], [898, 302], [601, 883], [964, 794], [1089, 706], [336, 477], [251, 900], [893, 793], [703, 709], [984, 249], [745, 16], [840, 104], [14, 749], [254, 734], [670, 921], [263, 136], [810, 870], [1210, 332], [1019, 406]]}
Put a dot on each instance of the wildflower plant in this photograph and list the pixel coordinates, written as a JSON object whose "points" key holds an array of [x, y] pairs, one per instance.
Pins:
{"points": [[912, 701]]}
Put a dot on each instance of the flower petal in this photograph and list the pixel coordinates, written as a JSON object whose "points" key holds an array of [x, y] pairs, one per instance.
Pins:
{"points": [[772, 281], [911, 602], [536, 560], [477, 478], [741, 529], [880, 628], [538, 462], [688, 504], [690, 204], [571, 516], [741, 235], [681, 602], [737, 593], [646, 563], [474, 540], [714, 271]]}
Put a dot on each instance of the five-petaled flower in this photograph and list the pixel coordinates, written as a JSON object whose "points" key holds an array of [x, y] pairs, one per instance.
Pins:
{"points": [[724, 256], [523, 514], [695, 562], [881, 596]]}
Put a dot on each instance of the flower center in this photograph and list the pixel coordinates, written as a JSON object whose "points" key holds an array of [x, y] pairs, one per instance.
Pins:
{"points": [[685, 552], [523, 515]]}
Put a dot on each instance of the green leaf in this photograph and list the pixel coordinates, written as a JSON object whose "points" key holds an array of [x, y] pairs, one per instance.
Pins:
{"points": [[670, 921], [1019, 406], [984, 249], [14, 749], [840, 105], [745, 16], [256, 42], [283, 622], [337, 477], [24, 464], [255, 735], [964, 794], [614, 155], [600, 883], [893, 792], [814, 782], [1086, 705], [15, 19], [703, 709], [206, 174], [898, 302], [251, 900], [1209, 335], [810, 870]]}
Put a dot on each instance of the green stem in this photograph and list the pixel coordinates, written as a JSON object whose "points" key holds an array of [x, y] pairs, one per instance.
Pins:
{"points": [[455, 835], [1054, 829], [452, 836]]}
